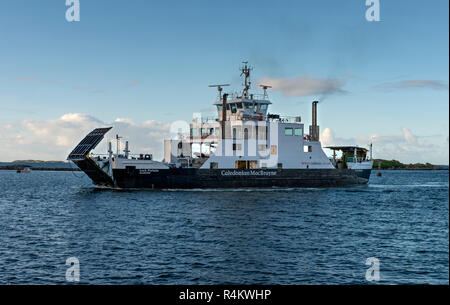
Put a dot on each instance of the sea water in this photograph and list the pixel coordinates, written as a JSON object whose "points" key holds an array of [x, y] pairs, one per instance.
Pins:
{"points": [[239, 236]]}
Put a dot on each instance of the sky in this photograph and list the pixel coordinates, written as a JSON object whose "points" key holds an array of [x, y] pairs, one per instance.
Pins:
{"points": [[141, 65]]}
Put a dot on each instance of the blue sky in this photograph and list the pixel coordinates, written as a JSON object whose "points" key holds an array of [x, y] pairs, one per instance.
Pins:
{"points": [[153, 60]]}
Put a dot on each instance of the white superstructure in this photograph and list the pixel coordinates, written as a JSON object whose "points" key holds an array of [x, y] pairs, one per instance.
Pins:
{"points": [[246, 136]]}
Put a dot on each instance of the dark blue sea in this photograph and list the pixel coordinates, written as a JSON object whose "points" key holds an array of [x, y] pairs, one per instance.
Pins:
{"points": [[261, 236]]}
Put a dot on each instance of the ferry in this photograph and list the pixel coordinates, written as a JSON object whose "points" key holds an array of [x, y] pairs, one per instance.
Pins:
{"points": [[245, 146]]}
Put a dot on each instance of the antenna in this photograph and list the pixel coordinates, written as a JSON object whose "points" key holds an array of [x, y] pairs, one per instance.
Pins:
{"points": [[245, 70], [219, 88], [265, 87]]}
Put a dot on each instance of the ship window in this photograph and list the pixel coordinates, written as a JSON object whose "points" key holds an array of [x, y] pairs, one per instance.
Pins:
{"points": [[233, 108], [237, 146], [241, 164], [280, 165], [213, 165], [263, 107], [273, 150], [239, 105], [248, 105], [298, 131], [219, 107], [263, 165], [252, 164], [261, 132], [194, 131], [228, 106], [262, 147], [288, 132], [217, 131]]}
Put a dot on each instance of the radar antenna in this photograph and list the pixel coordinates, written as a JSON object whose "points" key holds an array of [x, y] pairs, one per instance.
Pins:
{"points": [[245, 70], [219, 89], [265, 87]]}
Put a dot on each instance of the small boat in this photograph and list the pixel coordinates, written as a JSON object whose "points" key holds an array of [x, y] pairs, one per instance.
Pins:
{"points": [[25, 170]]}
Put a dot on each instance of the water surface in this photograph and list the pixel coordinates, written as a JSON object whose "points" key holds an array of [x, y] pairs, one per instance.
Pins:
{"points": [[262, 236]]}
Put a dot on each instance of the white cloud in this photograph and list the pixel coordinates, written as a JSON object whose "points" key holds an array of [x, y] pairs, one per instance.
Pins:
{"points": [[304, 86], [54, 139], [415, 83]]}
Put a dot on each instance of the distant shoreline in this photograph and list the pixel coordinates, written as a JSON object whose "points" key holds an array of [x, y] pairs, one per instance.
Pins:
{"points": [[55, 169], [380, 164], [63, 169]]}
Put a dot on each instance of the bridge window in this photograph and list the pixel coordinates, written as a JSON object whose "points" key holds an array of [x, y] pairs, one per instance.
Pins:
{"points": [[288, 132], [233, 108], [263, 107], [298, 131], [239, 105], [213, 165], [219, 107]]}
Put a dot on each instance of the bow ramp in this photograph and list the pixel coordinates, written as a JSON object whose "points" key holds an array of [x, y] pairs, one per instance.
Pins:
{"points": [[80, 156]]}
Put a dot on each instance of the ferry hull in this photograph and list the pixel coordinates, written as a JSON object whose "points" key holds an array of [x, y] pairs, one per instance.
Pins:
{"points": [[189, 178]]}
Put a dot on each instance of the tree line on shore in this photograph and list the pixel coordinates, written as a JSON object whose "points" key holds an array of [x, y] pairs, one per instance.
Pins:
{"points": [[394, 164]]}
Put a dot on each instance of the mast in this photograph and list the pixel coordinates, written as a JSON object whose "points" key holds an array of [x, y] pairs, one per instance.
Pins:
{"points": [[224, 108], [245, 70]]}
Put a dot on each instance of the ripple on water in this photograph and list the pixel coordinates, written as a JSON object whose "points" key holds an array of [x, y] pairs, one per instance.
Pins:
{"points": [[233, 236]]}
